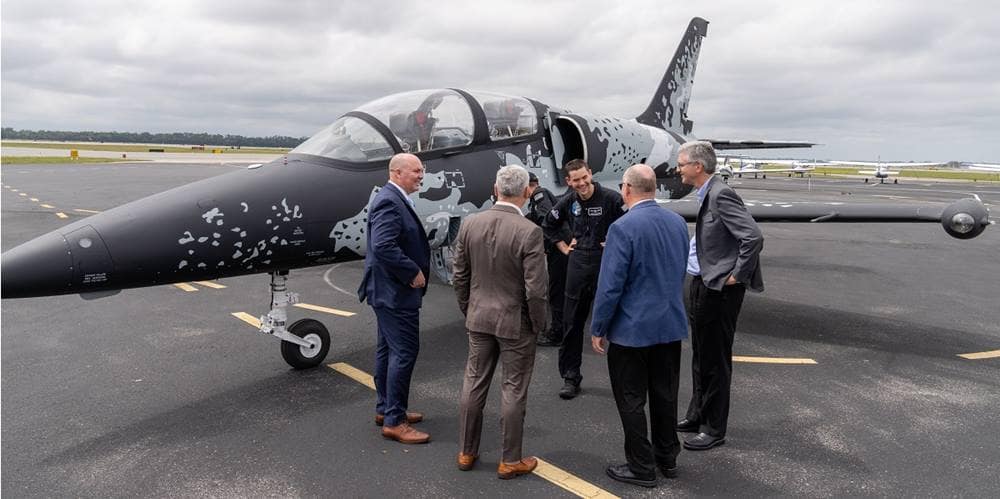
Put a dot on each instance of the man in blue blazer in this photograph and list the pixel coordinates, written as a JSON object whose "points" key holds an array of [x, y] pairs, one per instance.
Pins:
{"points": [[639, 321], [397, 262]]}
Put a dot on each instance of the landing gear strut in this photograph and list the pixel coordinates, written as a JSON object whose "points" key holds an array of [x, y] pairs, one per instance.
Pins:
{"points": [[305, 343]]}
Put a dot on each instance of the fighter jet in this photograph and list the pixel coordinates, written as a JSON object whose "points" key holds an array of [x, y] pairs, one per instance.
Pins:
{"points": [[310, 207]]}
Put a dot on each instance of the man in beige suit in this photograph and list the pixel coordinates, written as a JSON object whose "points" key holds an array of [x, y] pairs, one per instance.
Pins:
{"points": [[502, 286]]}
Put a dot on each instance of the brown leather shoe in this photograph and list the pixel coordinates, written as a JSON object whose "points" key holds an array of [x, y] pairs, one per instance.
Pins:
{"points": [[405, 434], [466, 461], [510, 470], [411, 417]]}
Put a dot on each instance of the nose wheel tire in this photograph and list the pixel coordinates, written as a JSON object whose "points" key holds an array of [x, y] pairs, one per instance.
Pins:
{"points": [[300, 357]]}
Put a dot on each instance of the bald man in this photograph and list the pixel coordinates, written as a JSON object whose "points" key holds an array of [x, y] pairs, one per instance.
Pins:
{"points": [[639, 322], [397, 262]]}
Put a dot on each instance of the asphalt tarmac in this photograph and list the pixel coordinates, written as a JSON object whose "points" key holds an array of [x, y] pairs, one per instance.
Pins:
{"points": [[162, 392]]}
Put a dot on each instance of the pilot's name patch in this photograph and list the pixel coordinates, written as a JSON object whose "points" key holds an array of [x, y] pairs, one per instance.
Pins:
{"points": [[595, 211]]}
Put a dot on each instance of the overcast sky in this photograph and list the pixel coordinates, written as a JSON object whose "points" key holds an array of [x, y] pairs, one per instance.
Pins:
{"points": [[867, 79]]}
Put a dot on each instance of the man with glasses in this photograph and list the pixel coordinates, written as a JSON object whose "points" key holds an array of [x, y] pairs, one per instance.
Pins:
{"points": [[724, 260]]}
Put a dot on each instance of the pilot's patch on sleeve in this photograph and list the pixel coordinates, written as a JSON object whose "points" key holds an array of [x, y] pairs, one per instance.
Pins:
{"points": [[555, 214]]}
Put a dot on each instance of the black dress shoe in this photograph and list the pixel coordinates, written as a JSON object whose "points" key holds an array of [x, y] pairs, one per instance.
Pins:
{"points": [[703, 441], [622, 473], [569, 390], [545, 340], [687, 426], [669, 470]]}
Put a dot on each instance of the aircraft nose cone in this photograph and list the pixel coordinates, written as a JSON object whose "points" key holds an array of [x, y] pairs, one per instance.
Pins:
{"points": [[39, 267]]}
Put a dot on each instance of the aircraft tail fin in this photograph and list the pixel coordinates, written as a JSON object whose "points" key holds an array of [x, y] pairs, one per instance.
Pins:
{"points": [[668, 109]]}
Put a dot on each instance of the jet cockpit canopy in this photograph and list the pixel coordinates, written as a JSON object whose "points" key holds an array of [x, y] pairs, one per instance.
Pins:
{"points": [[420, 121]]}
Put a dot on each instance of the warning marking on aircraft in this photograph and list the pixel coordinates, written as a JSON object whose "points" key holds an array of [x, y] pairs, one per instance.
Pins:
{"points": [[569, 482], [353, 373], [249, 319], [546, 470], [81, 210], [210, 284], [318, 308], [49, 206], [771, 360], [992, 354], [183, 286], [61, 214]]}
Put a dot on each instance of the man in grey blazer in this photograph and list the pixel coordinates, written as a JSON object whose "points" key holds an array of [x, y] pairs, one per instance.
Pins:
{"points": [[501, 282], [724, 260]]}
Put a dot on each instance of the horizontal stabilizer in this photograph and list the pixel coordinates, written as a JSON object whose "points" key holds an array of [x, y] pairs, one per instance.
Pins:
{"points": [[723, 144]]}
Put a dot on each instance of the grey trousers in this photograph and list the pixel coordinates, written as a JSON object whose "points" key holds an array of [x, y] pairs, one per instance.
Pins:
{"points": [[517, 360]]}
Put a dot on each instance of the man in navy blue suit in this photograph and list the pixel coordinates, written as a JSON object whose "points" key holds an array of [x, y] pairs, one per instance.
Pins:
{"points": [[639, 321], [397, 262]]}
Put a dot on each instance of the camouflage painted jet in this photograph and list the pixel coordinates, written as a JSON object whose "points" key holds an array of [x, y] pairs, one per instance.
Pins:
{"points": [[310, 207]]}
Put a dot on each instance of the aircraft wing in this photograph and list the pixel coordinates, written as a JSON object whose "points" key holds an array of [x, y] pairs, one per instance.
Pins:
{"points": [[948, 216], [781, 170], [874, 172], [725, 144]]}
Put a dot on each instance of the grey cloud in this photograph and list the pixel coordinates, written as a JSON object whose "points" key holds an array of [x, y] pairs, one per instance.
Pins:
{"points": [[863, 78]]}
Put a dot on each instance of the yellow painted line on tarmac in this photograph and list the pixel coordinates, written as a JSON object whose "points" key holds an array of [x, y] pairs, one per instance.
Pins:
{"points": [[49, 206], [61, 214], [210, 284], [249, 319], [22, 194], [318, 308], [992, 354], [183, 286], [13, 190], [81, 210], [353, 373], [771, 360], [34, 199], [570, 482], [546, 470]]}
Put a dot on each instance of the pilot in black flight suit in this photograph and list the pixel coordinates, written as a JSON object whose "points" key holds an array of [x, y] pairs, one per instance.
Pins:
{"points": [[578, 225], [540, 204]]}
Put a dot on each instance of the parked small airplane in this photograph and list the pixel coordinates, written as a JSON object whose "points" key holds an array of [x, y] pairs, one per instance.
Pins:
{"points": [[753, 167], [882, 170], [310, 207]]}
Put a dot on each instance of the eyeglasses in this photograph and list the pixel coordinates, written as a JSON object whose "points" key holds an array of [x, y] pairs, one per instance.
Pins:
{"points": [[682, 165]]}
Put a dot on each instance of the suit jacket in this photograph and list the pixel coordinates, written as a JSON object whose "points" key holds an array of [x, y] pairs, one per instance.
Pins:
{"points": [[500, 274], [640, 289], [397, 250], [728, 239]]}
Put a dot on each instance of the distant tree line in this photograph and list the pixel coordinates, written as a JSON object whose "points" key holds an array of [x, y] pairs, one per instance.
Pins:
{"points": [[214, 139]]}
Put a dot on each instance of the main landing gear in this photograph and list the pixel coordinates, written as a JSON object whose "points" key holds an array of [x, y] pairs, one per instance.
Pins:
{"points": [[306, 342]]}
